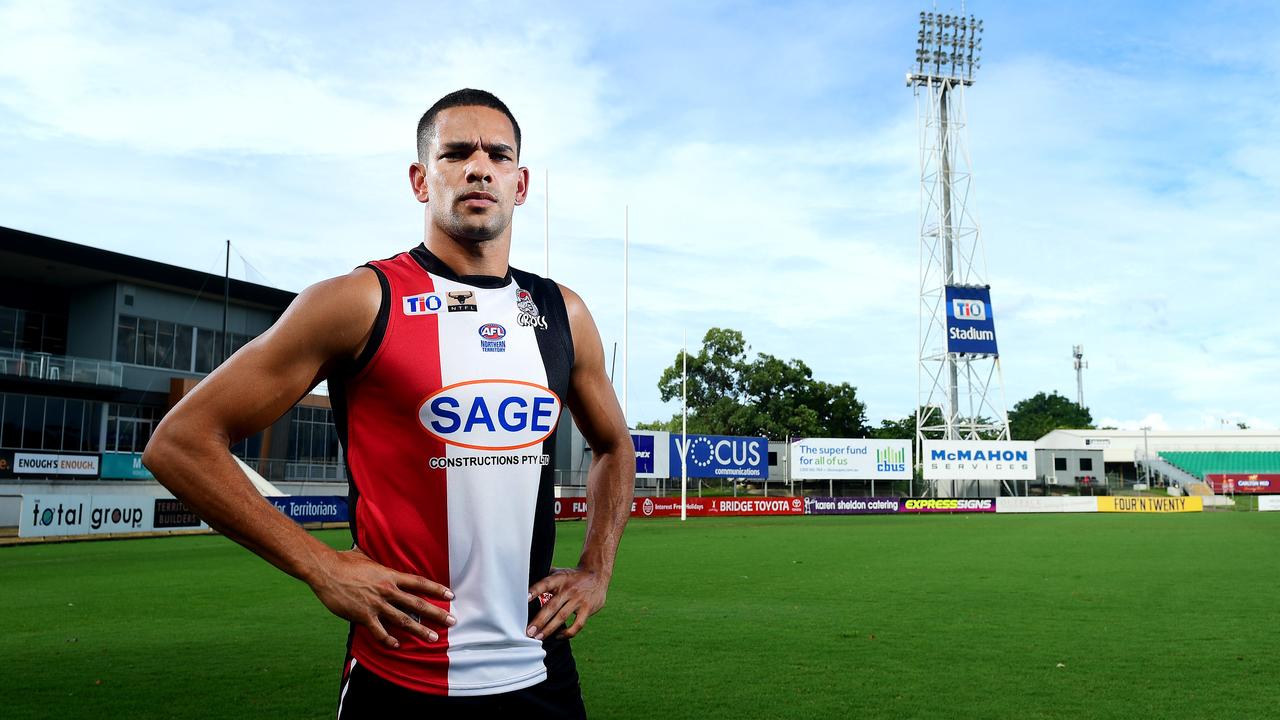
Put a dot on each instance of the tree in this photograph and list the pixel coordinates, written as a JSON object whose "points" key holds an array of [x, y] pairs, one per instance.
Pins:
{"points": [[732, 394], [1040, 414]]}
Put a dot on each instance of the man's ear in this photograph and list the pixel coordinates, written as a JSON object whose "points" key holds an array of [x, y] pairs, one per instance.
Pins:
{"points": [[522, 186], [418, 182]]}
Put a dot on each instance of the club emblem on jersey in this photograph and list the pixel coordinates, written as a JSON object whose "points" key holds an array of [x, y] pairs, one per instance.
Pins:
{"points": [[491, 338], [461, 301], [491, 414], [423, 304], [528, 312]]}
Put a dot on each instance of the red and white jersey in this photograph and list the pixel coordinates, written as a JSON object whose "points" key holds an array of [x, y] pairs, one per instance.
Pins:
{"points": [[448, 420]]}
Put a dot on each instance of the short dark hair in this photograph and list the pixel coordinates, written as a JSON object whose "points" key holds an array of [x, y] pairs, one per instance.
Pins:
{"points": [[461, 98]]}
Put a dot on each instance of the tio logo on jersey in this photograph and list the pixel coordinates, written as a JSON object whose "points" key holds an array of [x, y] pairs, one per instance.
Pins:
{"points": [[424, 304], [491, 414], [968, 309]]}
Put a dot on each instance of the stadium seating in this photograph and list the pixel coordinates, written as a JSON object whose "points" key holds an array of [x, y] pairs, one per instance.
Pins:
{"points": [[1198, 463]]}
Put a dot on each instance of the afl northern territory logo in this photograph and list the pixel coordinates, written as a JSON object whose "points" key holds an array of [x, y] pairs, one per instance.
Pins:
{"points": [[491, 414]]}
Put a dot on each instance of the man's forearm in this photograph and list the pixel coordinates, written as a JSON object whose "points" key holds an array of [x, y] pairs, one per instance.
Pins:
{"points": [[205, 476], [610, 490]]}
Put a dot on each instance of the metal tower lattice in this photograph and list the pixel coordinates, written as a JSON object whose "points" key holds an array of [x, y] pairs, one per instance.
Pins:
{"points": [[961, 396]]}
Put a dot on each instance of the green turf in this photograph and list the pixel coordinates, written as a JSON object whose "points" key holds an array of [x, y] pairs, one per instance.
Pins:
{"points": [[929, 617]]}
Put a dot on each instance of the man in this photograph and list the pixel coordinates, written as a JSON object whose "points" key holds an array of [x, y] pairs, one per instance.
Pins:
{"points": [[447, 370]]}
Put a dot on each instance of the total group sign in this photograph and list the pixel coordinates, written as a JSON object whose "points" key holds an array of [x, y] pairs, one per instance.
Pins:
{"points": [[979, 460], [44, 515], [971, 329], [855, 459], [720, 456]]}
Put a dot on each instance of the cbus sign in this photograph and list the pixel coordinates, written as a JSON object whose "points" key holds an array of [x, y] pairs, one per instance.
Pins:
{"points": [[491, 414], [971, 329]]}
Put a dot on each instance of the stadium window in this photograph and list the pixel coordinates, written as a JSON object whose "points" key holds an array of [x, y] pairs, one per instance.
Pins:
{"points": [[1086, 463], [164, 344], [11, 431], [127, 339], [1059, 463], [182, 347], [54, 408], [33, 424], [773, 458], [8, 329], [206, 350]]}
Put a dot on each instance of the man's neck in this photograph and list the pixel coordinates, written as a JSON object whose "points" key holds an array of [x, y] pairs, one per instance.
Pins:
{"points": [[471, 257]]}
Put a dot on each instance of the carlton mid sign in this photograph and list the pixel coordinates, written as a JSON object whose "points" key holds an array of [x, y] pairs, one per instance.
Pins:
{"points": [[719, 456], [854, 459], [979, 460]]}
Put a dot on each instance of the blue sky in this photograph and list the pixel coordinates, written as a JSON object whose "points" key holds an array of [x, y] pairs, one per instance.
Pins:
{"points": [[1127, 165]]}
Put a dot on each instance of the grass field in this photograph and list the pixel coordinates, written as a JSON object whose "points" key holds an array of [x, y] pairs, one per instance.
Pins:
{"points": [[1116, 616]]}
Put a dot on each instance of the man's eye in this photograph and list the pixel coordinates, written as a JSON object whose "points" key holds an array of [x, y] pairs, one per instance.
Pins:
{"points": [[498, 156]]}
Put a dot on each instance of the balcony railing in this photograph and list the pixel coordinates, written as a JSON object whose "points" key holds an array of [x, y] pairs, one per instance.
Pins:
{"points": [[61, 368]]}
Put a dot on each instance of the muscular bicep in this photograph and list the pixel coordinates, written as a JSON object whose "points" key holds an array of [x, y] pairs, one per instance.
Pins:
{"points": [[591, 396], [325, 326]]}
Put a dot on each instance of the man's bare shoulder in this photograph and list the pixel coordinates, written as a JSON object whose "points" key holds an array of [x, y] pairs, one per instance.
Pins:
{"points": [[335, 315]]}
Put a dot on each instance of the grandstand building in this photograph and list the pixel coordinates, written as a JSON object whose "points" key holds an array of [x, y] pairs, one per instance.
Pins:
{"points": [[1173, 457], [95, 347]]}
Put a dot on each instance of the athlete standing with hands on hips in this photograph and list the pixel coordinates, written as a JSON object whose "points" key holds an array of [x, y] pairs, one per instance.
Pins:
{"points": [[448, 371]]}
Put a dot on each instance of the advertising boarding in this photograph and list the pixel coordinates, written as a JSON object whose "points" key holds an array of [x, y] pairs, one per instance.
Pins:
{"points": [[48, 515], [971, 329], [653, 450], [979, 460], [1248, 483], [856, 459], [719, 456]]}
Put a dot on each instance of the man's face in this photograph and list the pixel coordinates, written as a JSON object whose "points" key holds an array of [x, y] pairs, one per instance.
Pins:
{"points": [[471, 178]]}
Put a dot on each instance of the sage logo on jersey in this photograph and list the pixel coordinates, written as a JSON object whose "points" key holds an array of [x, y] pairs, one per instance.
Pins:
{"points": [[423, 304], [491, 338], [965, 309], [491, 414]]}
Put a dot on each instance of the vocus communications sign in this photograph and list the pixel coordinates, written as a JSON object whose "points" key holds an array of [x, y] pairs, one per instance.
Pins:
{"points": [[712, 456], [979, 460], [971, 328]]}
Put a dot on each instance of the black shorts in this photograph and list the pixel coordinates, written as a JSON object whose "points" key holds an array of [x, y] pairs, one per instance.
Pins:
{"points": [[366, 695]]}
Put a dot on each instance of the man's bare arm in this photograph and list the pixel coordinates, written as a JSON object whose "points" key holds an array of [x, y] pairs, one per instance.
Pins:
{"points": [[326, 325], [581, 591]]}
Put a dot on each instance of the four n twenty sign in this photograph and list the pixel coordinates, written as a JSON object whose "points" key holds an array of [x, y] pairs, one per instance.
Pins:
{"points": [[720, 456]]}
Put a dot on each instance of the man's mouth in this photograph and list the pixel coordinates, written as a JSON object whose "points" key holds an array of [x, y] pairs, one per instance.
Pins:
{"points": [[477, 199]]}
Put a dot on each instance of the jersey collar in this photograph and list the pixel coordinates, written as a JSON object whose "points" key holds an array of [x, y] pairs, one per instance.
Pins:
{"points": [[434, 265]]}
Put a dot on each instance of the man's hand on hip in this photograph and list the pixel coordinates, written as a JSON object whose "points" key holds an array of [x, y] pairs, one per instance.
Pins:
{"points": [[358, 589], [574, 591]]}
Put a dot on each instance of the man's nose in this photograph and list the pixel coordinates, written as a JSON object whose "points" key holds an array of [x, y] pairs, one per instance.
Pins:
{"points": [[480, 170]]}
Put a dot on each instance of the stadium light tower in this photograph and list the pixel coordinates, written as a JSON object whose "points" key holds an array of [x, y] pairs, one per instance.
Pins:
{"points": [[959, 382], [1077, 352]]}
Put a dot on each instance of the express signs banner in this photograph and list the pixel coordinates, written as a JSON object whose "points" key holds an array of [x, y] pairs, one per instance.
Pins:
{"points": [[720, 456], [856, 459], [971, 328], [1254, 483], [979, 460], [653, 450]]}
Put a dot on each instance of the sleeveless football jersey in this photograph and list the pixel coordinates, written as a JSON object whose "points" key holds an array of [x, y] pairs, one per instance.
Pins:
{"points": [[448, 420]]}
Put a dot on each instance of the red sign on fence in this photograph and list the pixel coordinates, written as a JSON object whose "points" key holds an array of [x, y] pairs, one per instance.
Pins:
{"points": [[1255, 483], [572, 508]]}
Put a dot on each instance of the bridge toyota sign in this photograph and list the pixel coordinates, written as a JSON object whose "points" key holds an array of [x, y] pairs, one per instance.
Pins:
{"points": [[979, 460]]}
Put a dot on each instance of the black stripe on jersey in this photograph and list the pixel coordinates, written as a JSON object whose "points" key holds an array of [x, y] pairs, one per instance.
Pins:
{"points": [[555, 345], [436, 266], [338, 392]]}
